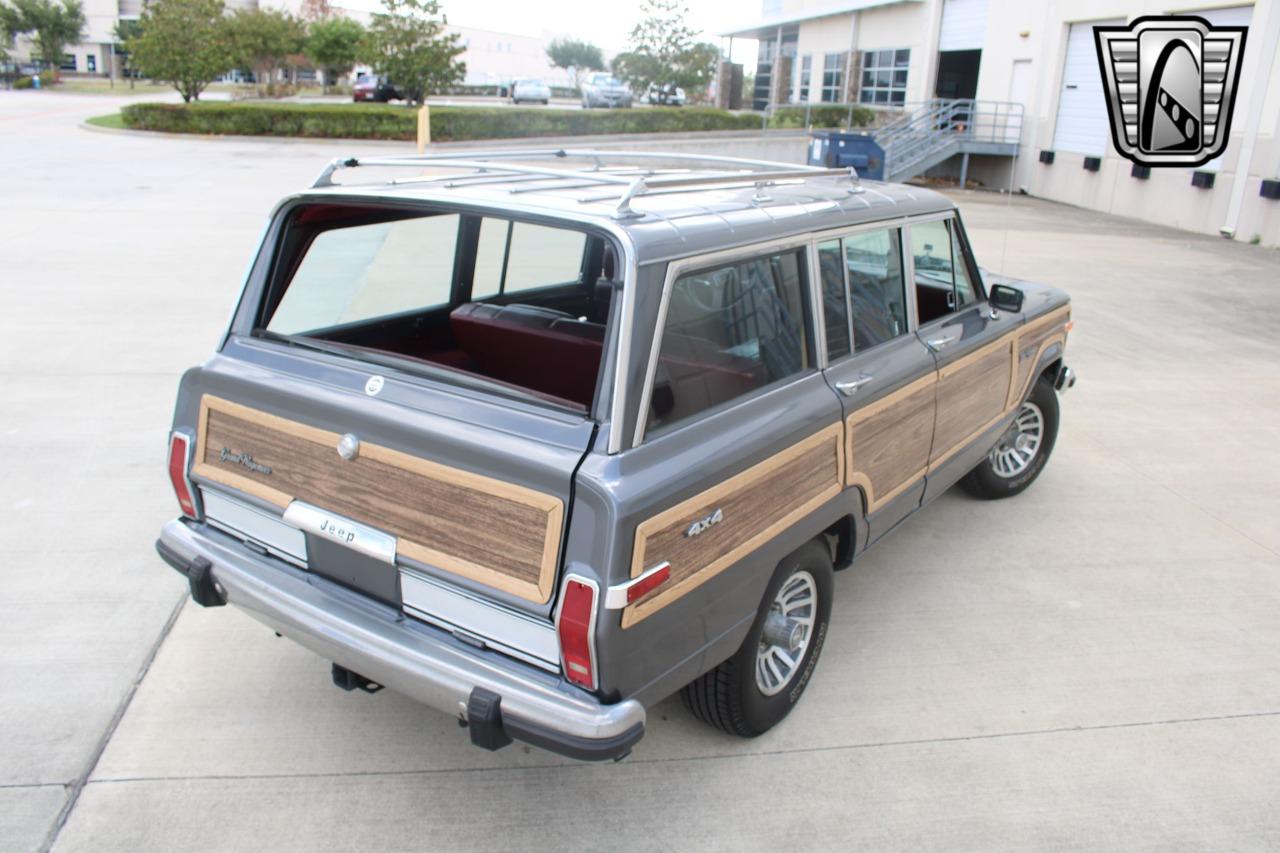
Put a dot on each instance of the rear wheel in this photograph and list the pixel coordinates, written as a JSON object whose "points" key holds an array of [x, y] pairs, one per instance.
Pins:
{"points": [[1022, 451], [752, 691]]}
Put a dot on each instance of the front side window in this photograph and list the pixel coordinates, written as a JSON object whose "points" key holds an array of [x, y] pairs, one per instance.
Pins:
{"points": [[942, 280], [365, 271], [730, 330], [884, 76], [833, 78], [876, 287]]}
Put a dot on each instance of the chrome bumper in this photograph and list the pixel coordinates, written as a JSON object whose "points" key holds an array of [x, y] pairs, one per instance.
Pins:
{"points": [[1065, 380], [415, 659]]}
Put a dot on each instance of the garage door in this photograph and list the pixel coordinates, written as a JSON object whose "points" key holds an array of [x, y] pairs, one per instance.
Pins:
{"points": [[964, 25], [1082, 125], [1235, 16]]}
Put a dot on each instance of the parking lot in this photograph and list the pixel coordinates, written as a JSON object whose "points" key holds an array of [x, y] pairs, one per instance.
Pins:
{"points": [[1094, 664]]}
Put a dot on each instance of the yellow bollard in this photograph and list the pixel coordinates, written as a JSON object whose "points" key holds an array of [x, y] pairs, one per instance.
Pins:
{"points": [[424, 129]]}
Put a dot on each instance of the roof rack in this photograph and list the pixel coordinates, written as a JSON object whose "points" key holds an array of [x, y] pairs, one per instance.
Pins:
{"points": [[488, 166]]}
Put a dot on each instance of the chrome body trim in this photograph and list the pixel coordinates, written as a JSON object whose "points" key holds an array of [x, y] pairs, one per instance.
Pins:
{"points": [[516, 634], [375, 641], [615, 597], [246, 521], [344, 531]]}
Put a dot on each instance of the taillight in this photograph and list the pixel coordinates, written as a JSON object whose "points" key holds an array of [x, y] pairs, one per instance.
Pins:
{"points": [[577, 619], [179, 457]]}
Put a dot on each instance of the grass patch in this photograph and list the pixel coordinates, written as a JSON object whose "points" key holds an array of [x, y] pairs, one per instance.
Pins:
{"points": [[112, 120], [448, 124]]}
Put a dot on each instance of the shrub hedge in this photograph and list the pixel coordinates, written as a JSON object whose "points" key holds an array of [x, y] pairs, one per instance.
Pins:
{"points": [[448, 124], [821, 116]]}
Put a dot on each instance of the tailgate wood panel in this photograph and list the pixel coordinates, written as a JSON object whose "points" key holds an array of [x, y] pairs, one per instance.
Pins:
{"points": [[496, 533]]}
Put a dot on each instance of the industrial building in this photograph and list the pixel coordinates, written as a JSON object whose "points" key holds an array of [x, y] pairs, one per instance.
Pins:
{"points": [[1040, 55]]}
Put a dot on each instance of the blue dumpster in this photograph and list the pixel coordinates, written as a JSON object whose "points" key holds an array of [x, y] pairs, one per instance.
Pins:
{"points": [[839, 148]]}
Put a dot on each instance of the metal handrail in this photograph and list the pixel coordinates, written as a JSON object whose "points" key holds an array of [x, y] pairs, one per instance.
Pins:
{"points": [[937, 124]]}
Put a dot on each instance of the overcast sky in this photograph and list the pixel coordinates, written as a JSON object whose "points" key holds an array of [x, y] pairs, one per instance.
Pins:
{"points": [[602, 22]]}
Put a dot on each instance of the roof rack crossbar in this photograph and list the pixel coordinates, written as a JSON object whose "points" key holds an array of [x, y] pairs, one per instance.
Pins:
{"points": [[667, 184]]}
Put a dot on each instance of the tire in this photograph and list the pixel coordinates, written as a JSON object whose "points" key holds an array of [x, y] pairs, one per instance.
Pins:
{"points": [[1007, 471], [733, 697]]}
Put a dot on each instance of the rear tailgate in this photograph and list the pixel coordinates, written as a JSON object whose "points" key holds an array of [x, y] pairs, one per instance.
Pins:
{"points": [[453, 504]]}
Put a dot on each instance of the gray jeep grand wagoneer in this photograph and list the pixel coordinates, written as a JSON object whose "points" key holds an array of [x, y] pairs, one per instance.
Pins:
{"points": [[539, 445]]}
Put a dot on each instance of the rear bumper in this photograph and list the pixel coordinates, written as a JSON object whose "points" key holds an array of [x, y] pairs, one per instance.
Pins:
{"points": [[412, 658]]}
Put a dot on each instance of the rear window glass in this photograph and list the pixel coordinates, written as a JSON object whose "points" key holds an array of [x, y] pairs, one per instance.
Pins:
{"points": [[522, 305], [729, 331], [365, 271]]}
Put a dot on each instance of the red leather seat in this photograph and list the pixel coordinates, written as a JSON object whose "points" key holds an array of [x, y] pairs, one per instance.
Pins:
{"points": [[536, 348]]}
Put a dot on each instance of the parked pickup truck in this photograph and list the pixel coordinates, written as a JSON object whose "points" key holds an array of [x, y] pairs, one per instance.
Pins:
{"points": [[540, 438]]}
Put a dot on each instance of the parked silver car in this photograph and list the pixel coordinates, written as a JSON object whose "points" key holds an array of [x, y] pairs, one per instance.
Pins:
{"points": [[604, 90], [530, 90], [540, 446]]}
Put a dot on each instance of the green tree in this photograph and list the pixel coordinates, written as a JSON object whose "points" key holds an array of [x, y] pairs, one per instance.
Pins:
{"points": [[124, 30], [333, 44], [408, 44], [664, 51], [8, 29], [580, 56], [52, 26], [185, 43], [262, 40]]}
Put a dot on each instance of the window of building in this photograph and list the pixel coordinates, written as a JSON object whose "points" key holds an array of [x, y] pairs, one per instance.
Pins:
{"points": [[884, 76], [91, 62], [730, 331], [835, 300], [68, 62], [806, 69], [877, 291], [833, 78], [942, 281]]}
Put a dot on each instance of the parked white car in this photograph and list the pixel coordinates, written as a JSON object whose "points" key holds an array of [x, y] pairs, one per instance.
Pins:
{"points": [[530, 89]]}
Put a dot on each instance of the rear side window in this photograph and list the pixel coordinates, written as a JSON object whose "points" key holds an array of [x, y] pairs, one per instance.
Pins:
{"points": [[364, 271], [729, 331], [512, 257], [835, 302], [876, 290]]}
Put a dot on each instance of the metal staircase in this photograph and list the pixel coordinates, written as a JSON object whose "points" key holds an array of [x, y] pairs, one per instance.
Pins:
{"points": [[937, 130]]}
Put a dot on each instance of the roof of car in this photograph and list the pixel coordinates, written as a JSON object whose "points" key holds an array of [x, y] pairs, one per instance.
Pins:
{"points": [[675, 211]]}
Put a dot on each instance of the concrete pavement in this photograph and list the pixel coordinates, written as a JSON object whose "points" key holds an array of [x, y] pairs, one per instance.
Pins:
{"points": [[1095, 664]]}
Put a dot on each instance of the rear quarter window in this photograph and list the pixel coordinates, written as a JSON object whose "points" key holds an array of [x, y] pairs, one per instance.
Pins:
{"points": [[730, 330]]}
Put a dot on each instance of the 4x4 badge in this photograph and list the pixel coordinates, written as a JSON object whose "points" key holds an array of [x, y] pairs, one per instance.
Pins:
{"points": [[1170, 82]]}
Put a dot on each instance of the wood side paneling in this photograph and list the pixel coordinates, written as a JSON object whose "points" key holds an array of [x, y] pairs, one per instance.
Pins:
{"points": [[889, 440], [756, 505], [956, 406], [488, 530], [971, 392]]}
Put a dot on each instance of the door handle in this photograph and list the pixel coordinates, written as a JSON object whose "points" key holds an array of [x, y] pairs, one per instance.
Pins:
{"points": [[938, 344], [847, 387]]}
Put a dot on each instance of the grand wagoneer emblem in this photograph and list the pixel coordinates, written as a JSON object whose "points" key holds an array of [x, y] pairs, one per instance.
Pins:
{"points": [[1170, 83], [244, 460]]}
